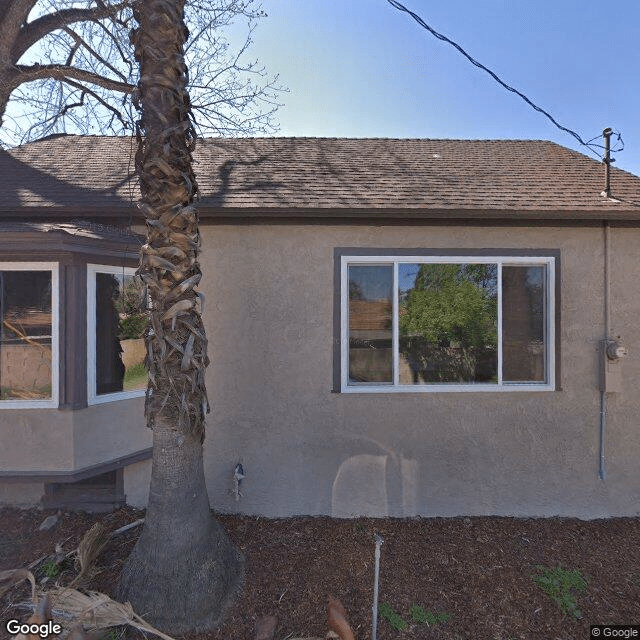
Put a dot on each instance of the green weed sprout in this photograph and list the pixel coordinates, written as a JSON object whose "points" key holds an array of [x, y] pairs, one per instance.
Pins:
{"points": [[418, 614], [560, 584], [396, 621]]}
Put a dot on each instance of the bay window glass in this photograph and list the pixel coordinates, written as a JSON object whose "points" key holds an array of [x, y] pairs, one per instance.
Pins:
{"points": [[116, 325], [28, 334]]}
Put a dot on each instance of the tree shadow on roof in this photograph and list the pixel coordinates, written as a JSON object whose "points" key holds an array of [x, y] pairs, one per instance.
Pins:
{"points": [[37, 181], [243, 169]]}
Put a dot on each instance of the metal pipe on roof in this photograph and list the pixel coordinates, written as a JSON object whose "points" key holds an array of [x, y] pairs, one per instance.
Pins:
{"points": [[607, 162]]}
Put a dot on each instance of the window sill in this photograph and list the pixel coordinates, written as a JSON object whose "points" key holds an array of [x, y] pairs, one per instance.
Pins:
{"points": [[28, 404], [449, 388], [115, 397]]}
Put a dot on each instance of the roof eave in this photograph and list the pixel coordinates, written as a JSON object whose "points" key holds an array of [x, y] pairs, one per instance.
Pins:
{"points": [[330, 214], [132, 215]]}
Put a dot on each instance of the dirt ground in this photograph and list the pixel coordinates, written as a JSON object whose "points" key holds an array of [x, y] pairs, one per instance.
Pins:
{"points": [[470, 578]]}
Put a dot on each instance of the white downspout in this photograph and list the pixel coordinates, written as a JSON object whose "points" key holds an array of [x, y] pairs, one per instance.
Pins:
{"points": [[602, 472]]}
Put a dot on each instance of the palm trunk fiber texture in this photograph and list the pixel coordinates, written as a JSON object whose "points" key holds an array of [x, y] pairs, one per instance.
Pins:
{"points": [[183, 569]]}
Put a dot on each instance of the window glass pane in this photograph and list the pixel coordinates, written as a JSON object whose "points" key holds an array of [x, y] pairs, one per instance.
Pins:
{"points": [[25, 335], [448, 323], [120, 325], [523, 323], [370, 323]]}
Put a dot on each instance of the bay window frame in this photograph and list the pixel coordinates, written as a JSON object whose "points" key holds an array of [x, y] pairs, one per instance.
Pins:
{"points": [[44, 403], [92, 396]]}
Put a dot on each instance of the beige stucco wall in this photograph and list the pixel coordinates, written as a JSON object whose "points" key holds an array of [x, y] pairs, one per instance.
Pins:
{"points": [[52, 440], [306, 450], [109, 430], [36, 439]]}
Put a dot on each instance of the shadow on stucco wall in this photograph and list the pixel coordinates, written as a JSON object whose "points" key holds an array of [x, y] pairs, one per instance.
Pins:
{"points": [[375, 486]]}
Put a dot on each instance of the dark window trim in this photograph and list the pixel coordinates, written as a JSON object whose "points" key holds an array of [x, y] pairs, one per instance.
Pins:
{"points": [[92, 396], [54, 268], [338, 252]]}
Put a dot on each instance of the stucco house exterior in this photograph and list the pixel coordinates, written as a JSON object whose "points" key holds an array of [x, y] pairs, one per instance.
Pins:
{"points": [[396, 327]]}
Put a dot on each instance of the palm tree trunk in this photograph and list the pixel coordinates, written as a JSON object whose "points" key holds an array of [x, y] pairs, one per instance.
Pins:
{"points": [[183, 569]]}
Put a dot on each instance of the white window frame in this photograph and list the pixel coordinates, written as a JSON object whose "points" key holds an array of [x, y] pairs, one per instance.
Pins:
{"points": [[49, 403], [395, 387], [92, 395]]}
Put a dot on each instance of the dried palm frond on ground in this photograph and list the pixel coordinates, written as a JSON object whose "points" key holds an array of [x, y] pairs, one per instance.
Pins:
{"points": [[90, 547], [91, 610], [96, 610], [78, 611]]}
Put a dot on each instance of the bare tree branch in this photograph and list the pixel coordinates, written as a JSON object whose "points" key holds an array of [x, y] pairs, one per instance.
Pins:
{"points": [[80, 41], [117, 45], [39, 28], [62, 72], [72, 53], [87, 91]]}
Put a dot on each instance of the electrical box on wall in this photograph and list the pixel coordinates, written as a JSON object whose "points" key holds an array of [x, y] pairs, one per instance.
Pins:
{"points": [[613, 353]]}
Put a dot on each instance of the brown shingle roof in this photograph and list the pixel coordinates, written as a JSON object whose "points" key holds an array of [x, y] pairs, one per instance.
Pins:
{"points": [[84, 175]]}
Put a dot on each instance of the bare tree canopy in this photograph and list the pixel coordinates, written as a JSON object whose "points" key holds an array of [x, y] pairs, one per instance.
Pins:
{"points": [[68, 66]]}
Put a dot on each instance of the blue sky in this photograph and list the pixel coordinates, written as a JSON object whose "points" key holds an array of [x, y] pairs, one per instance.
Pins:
{"points": [[361, 68]]}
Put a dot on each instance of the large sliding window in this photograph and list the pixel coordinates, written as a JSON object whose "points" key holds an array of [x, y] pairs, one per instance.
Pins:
{"points": [[28, 335], [115, 334], [447, 323]]}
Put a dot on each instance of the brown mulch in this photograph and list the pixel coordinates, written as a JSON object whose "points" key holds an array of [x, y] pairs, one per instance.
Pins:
{"points": [[476, 570]]}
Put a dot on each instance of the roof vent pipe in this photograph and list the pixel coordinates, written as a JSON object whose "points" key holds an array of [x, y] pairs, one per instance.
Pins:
{"points": [[606, 134]]}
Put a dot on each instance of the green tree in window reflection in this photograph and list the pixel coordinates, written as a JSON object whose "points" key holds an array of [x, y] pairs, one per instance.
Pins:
{"points": [[109, 366], [448, 323], [133, 320], [355, 291]]}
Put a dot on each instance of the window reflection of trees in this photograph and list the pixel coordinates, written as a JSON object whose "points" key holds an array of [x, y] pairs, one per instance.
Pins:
{"points": [[448, 323], [25, 335], [370, 324], [120, 320], [109, 366]]}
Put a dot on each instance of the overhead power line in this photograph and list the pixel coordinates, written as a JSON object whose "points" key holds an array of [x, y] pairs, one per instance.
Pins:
{"points": [[589, 144]]}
